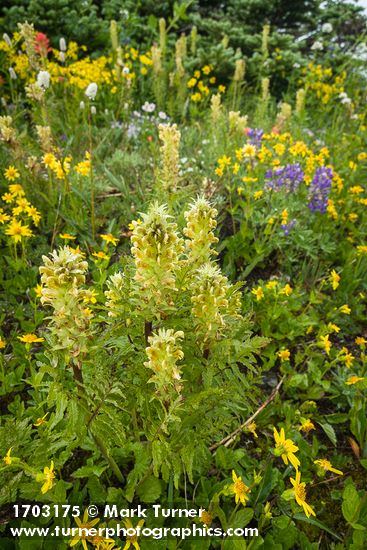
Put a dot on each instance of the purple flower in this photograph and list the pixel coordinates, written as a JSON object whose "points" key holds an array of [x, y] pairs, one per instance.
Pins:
{"points": [[255, 136], [319, 189], [286, 227], [288, 177]]}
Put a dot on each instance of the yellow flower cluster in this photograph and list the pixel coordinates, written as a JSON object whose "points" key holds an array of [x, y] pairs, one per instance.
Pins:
{"points": [[322, 82], [202, 83], [17, 211]]}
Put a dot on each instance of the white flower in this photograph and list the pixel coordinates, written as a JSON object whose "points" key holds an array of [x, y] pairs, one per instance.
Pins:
{"points": [[346, 101], [148, 107], [317, 45], [43, 79], [62, 57], [162, 115], [125, 70], [82, 105], [327, 27], [342, 95], [6, 39], [13, 74], [93, 110], [296, 65], [62, 44], [91, 91]]}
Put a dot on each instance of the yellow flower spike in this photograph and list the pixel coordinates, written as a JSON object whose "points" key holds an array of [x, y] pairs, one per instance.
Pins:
{"points": [[41, 421], [327, 466], [285, 448], [300, 494], [30, 338], [239, 489], [7, 458], [284, 355]]}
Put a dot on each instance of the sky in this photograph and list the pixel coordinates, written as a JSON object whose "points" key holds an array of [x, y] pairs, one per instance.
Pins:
{"points": [[363, 3]]}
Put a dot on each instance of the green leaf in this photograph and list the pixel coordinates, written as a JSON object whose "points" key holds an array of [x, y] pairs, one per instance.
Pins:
{"points": [[318, 523], [242, 518], [149, 490], [87, 471], [329, 430], [351, 504]]}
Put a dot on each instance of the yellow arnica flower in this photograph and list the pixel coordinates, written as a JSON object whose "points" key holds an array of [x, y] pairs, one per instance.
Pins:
{"points": [[239, 489], [30, 338], [285, 448], [354, 380], [48, 477], [334, 279], [110, 239], [300, 494], [132, 540], [360, 341], [287, 290], [284, 355], [2, 343], [11, 173], [307, 426], [17, 231], [38, 290], [41, 421], [345, 309], [100, 255], [86, 526], [7, 458], [67, 237], [206, 518], [327, 466], [258, 292], [326, 343]]}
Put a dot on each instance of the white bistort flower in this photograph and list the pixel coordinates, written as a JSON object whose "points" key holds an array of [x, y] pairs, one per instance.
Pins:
{"points": [[43, 79], [91, 91], [62, 44], [327, 27], [13, 74], [318, 45]]}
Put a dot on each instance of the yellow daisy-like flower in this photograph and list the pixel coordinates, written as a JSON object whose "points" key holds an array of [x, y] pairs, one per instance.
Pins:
{"points": [[239, 489], [38, 290], [100, 255], [7, 458], [30, 338], [40, 421], [11, 173], [258, 292], [48, 477], [285, 448], [326, 343], [82, 535], [354, 380], [345, 309], [284, 355], [327, 466], [109, 238], [206, 518], [287, 290], [4, 217], [67, 237], [306, 426], [17, 231], [2, 343], [8, 197], [16, 190], [258, 195], [300, 494], [132, 540], [334, 279], [360, 341]]}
